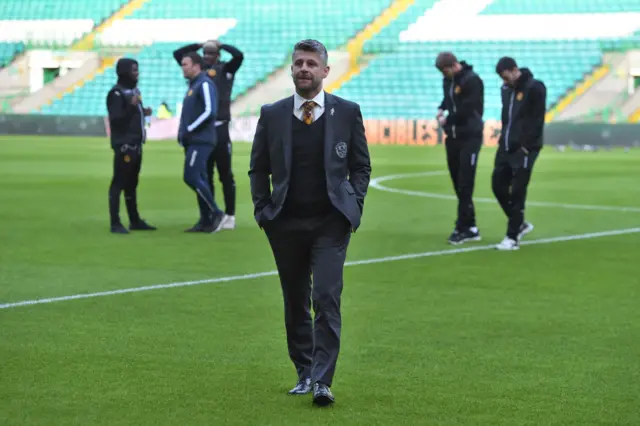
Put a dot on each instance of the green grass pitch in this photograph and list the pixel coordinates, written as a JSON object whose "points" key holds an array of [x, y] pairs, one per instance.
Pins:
{"points": [[548, 335]]}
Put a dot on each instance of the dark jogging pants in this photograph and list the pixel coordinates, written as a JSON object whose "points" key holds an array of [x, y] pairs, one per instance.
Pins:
{"points": [[127, 162], [462, 161], [510, 180], [221, 158]]}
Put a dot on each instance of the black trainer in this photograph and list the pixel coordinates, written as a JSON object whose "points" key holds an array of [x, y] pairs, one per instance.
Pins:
{"points": [[118, 228], [141, 225], [460, 237]]}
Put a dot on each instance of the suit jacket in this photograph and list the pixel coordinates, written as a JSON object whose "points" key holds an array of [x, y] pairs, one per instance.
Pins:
{"points": [[346, 158]]}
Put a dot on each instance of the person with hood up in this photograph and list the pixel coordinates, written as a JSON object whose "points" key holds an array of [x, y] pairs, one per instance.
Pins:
{"points": [[523, 113], [127, 127], [463, 126]]}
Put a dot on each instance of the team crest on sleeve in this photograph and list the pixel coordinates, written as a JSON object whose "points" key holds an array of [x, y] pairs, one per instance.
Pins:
{"points": [[212, 73], [190, 92], [519, 96], [341, 149], [457, 90]]}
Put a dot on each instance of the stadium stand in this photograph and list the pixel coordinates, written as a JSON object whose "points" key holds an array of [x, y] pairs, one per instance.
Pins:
{"points": [[402, 82], [265, 32], [399, 80], [30, 10], [8, 51]]}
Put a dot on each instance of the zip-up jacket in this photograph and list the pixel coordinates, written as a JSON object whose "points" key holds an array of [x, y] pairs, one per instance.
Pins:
{"points": [[464, 100], [523, 111], [126, 121], [222, 73], [199, 109]]}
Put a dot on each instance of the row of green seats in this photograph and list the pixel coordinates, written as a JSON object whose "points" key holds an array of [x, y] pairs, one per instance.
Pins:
{"points": [[560, 6], [97, 10]]}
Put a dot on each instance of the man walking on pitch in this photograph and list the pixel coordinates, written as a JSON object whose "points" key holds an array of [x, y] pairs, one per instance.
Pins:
{"points": [[198, 136], [463, 126], [223, 75], [128, 134], [523, 111], [312, 148]]}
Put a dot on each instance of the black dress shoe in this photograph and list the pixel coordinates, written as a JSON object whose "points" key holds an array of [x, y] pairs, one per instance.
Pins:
{"points": [[303, 387], [322, 395], [141, 225], [118, 228]]}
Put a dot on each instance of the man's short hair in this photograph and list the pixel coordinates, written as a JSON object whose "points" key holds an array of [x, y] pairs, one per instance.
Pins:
{"points": [[195, 57], [506, 63], [446, 60], [310, 45]]}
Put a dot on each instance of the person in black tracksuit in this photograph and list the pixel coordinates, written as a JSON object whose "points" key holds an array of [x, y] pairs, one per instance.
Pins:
{"points": [[223, 75], [128, 134], [464, 102], [521, 139]]}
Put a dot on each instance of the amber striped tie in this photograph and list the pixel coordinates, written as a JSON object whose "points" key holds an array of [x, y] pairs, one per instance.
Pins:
{"points": [[307, 111]]}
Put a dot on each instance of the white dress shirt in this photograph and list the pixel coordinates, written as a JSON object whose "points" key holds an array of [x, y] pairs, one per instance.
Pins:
{"points": [[298, 101]]}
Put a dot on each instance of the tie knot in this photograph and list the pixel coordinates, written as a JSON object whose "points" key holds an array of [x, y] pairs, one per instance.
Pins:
{"points": [[309, 105]]}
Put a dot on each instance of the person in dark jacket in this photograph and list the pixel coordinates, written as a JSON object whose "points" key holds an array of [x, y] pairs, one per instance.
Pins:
{"points": [[127, 128], [523, 113], [463, 126], [197, 134], [223, 74]]}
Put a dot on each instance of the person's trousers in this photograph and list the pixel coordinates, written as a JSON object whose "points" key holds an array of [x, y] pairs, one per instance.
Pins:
{"points": [[221, 158], [462, 161], [310, 256], [127, 162], [510, 180], [195, 176]]}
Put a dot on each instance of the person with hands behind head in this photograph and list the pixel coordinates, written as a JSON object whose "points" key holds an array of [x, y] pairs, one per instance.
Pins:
{"points": [[128, 134], [223, 75]]}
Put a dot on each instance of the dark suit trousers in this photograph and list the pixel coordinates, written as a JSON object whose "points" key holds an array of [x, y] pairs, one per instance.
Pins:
{"points": [[306, 248], [462, 161]]}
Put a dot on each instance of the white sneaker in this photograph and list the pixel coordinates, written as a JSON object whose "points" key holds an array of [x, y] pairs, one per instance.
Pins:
{"points": [[508, 244], [228, 222], [525, 228]]}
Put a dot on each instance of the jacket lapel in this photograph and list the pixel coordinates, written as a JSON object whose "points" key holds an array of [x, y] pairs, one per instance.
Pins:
{"points": [[286, 133], [329, 111]]}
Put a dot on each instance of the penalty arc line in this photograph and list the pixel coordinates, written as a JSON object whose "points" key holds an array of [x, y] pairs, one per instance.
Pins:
{"points": [[350, 263], [376, 183]]}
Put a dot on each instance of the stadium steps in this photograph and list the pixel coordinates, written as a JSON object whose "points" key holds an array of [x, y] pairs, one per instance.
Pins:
{"points": [[598, 73], [355, 46], [88, 40], [606, 94]]}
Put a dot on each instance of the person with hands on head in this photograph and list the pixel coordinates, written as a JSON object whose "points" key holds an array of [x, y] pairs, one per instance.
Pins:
{"points": [[223, 75], [128, 134]]}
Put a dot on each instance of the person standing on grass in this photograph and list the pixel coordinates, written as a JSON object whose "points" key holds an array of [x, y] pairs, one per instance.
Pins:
{"points": [[523, 113], [464, 101], [128, 134], [197, 135], [223, 74], [309, 173]]}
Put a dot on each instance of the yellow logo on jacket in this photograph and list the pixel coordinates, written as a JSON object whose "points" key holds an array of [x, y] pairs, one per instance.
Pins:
{"points": [[457, 90], [212, 73], [127, 159], [519, 96], [190, 92]]}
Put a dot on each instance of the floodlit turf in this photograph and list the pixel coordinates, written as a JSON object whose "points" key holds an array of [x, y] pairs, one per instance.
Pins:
{"points": [[546, 335]]}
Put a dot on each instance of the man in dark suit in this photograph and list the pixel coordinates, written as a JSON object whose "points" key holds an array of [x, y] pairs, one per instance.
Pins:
{"points": [[309, 174]]}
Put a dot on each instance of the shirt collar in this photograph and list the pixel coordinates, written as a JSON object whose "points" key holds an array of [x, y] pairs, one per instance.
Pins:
{"points": [[299, 100]]}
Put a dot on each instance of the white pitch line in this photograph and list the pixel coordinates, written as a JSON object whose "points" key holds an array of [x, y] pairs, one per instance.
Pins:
{"points": [[352, 263], [375, 183]]}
